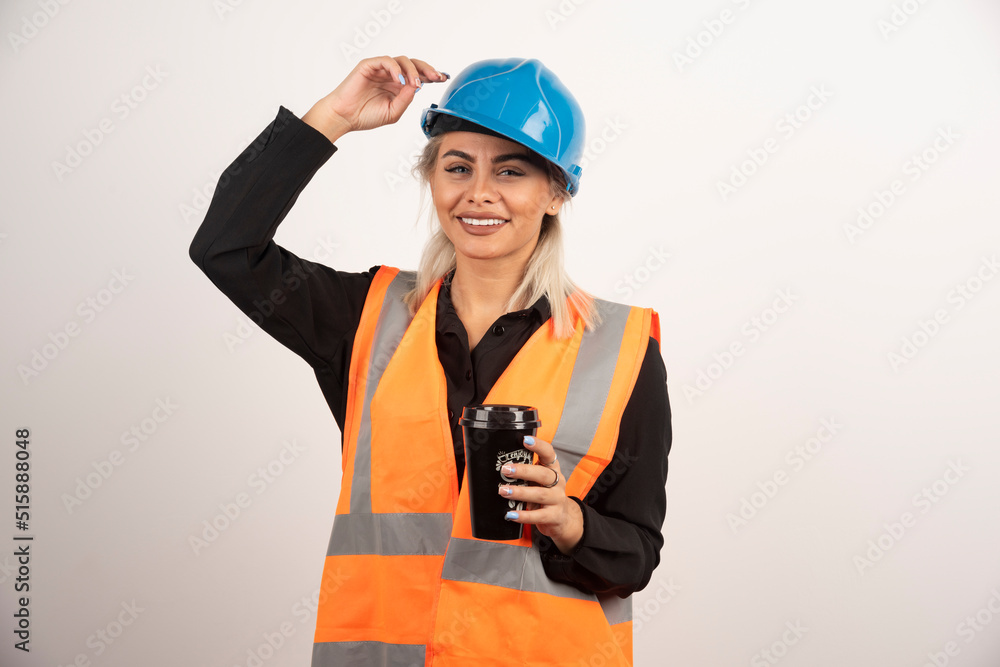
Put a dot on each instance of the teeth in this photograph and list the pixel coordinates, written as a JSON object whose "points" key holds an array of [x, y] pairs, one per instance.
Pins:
{"points": [[482, 223]]}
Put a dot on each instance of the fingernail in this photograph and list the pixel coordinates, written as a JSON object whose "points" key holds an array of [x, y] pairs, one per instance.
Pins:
{"points": [[416, 82], [511, 516], [402, 79], [506, 491], [529, 441], [507, 469], [446, 75]]}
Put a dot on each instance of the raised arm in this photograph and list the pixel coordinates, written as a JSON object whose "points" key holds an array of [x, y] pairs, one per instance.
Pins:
{"points": [[306, 306], [309, 307]]}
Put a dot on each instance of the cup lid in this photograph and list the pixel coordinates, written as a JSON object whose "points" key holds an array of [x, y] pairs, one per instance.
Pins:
{"points": [[502, 417]]}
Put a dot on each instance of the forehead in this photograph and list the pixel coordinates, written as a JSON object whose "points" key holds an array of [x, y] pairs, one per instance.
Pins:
{"points": [[481, 146]]}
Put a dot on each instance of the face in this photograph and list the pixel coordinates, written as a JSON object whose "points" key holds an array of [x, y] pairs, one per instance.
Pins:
{"points": [[490, 195]]}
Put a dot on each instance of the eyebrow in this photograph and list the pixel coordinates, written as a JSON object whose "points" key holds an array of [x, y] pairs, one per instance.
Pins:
{"points": [[525, 157]]}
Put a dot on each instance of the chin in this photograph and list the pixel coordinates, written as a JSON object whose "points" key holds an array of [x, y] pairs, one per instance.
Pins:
{"points": [[477, 253]]}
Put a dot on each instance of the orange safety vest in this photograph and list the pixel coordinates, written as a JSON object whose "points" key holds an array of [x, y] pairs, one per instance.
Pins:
{"points": [[405, 582]]}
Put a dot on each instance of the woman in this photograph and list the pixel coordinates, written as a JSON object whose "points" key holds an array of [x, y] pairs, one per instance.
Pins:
{"points": [[490, 317]]}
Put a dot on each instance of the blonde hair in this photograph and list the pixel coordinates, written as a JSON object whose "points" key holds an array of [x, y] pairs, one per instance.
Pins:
{"points": [[544, 274]]}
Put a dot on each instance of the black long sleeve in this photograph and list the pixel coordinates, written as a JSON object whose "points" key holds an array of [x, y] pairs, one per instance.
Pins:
{"points": [[308, 307], [624, 511], [314, 311]]}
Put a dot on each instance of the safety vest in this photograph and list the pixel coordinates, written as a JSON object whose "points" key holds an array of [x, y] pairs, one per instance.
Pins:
{"points": [[405, 583]]}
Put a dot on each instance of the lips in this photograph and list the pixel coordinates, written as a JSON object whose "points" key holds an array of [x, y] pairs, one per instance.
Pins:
{"points": [[483, 222], [481, 226]]}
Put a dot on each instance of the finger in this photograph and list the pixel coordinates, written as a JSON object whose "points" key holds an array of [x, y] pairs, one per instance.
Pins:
{"points": [[428, 73], [535, 495], [529, 472], [545, 515], [403, 87], [410, 71], [545, 451], [383, 68]]}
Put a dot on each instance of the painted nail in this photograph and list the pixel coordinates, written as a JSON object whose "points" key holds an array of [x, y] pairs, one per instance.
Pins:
{"points": [[416, 82], [446, 75], [402, 79], [511, 516], [506, 491], [529, 441], [507, 469]]}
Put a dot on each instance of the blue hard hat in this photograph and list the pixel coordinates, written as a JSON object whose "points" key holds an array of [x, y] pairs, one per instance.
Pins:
{"points": [[518, 99]]}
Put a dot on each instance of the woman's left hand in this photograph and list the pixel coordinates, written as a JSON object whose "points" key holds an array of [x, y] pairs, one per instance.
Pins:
{"points": [[550, 510]]}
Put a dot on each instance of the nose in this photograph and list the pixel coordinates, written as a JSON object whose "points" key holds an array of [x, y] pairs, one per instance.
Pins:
{"points": [[482, 188]]}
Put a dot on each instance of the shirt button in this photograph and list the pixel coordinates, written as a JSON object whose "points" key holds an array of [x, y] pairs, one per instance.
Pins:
{"points": [[451, 414], [468, 375], [498, 330]]}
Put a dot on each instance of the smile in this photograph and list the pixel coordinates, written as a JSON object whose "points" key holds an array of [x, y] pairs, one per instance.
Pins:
{"points": [[488, 222]]}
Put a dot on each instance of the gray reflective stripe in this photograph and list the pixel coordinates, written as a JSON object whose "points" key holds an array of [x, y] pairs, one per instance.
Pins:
{"points": [[506, 565], [367, 654], [616, 609], [589, 385], [392, 320], [390, 534]]}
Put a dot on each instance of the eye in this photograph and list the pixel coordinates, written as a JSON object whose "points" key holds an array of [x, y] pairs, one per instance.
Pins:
{"points": [[462, 169]]}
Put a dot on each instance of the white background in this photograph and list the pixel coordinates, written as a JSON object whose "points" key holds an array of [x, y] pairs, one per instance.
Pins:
{"points": [[830, 550]]}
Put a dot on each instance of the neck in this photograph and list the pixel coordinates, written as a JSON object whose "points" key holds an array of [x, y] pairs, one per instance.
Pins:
{"points": [[483, 288]]}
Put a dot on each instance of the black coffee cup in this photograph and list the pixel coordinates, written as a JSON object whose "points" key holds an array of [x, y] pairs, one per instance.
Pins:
{"points": [[494, 435]]}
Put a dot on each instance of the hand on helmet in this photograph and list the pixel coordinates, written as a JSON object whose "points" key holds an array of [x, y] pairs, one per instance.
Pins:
{"points": [[375, 93]]}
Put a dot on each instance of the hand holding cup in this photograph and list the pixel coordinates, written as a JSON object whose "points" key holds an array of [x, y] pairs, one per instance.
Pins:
{"points": [[550, 510]]}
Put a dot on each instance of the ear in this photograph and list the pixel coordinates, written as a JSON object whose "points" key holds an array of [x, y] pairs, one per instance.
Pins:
{"points": [[555, 205]]}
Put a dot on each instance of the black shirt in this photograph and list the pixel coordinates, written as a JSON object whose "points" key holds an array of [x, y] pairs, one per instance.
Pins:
{"points": [[471, 375], [314, 311]]}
